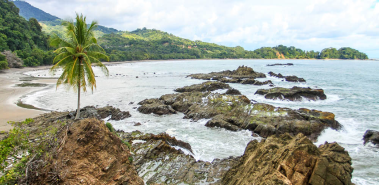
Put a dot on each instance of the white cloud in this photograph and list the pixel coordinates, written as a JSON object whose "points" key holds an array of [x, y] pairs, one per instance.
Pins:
{"points": [[307, 24]]}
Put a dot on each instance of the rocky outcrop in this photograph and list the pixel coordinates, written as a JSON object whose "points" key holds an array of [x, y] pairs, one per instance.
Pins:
{"points": [[294, 79], [159, 161], [292, 94], [155, 106], [89, 154], [278, 64], [236, 112], [101, 113], [291, 160], [206, 86], [233, 92], [371, 136], [287, 78], [243, 75]]}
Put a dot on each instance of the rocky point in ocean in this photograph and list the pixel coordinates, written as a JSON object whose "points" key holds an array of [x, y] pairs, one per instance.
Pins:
{"points": [[292, 94], [236, 112], [243, 75], [279, 64], [371, 136], [287, 160], [89, 152], [287, 78]]}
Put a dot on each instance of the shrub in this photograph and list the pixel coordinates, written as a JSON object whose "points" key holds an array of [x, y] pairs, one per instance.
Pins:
{"points": [[110, 127], [3, 65]]}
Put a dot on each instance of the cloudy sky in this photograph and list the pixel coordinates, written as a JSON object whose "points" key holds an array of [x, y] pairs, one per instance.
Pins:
{"points": [[306, 24]]}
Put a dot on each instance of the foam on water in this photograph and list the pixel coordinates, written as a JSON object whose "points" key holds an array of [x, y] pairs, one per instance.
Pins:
{"points": [[350, 88]]}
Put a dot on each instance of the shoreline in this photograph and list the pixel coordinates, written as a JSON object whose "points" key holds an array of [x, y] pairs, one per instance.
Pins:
{"points": [[10, 94]]}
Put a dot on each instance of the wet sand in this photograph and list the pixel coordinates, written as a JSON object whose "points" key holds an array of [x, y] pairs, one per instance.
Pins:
{"points": [[10, 94]]}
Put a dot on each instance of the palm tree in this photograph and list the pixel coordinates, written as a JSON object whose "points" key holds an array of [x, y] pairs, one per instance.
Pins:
{"points": [[75, 55]]}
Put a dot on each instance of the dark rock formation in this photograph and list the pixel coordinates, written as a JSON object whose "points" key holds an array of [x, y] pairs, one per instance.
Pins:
{"points": [[101, 113], [233, 92], [293, 94], [275, 75], [256, 82], [288, 160], [235, 112], [294, 79], [278, 64], [158, 162], [287, 78], [244, 75], [155, 106], [371, 136], [206, 86]]}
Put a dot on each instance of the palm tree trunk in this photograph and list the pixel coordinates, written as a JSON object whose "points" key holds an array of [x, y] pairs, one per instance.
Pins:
{"points": [[78, 109]]}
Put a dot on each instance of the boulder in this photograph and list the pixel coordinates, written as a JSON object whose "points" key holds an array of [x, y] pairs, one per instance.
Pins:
{"points": [[155, 106], [371, 136], [206, 86], [292, 94], [287, 78], [256, 82], [235, 76], [291, 160], [233, 92], [101, 113], [294, 79], [278, 64]]}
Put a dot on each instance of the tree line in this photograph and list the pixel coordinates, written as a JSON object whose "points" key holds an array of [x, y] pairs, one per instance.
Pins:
{"points": [[27, 41]]}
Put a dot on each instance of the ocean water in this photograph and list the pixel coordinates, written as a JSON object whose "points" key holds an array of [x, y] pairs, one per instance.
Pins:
{"points": [[351, 88]]}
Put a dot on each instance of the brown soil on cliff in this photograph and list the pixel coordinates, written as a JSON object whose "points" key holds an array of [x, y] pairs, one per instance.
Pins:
{"points": [[88, 154]]}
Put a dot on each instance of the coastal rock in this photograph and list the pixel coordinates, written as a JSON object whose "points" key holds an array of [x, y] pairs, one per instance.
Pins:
{"points": [[291, 160], [159, 161], [206, 86], [101, 113], [292, 94], [233, 92], [287, 78], [115, 113], [155, 106], [278, 64], [256, 82], [371, 136], [91, 154], [230, 112], [236, 112], [241, 74], [294, 79], [275, 75]]}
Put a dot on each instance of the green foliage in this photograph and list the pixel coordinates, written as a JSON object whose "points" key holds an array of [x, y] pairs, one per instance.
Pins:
{"points": [[75, 55], [18, 146], [110, 127], [3, 62], [151, 44], [22, 36]]}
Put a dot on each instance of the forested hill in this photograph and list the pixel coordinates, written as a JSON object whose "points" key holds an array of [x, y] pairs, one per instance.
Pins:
{"points": [[28, 11], [151, 44], [24, 38], [50, 23]]}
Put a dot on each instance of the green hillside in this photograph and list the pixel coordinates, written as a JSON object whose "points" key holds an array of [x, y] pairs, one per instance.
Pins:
{"points": [[151, 44], [51, 24], [24, 38], [28, 11]]}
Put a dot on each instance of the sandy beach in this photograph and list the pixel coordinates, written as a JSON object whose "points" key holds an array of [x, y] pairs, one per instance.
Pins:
{"points": [[10, 94]]}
